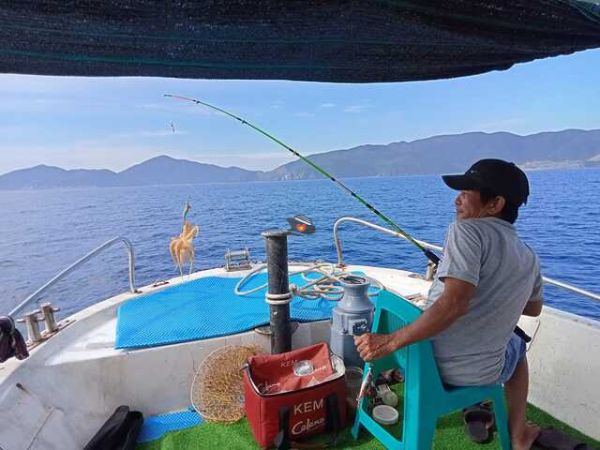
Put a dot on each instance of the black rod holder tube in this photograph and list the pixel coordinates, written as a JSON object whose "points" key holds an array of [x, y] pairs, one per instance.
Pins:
{"points": [[277, 271]]}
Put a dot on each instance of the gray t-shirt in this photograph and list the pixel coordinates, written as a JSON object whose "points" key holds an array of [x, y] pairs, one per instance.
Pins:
{"points": [[488, 254]]}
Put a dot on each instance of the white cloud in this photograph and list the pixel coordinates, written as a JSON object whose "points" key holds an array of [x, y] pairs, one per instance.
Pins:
{"points": [[327, 105], [110, 157], [168, 131], [13, 129], [250, 161], [99, 155], [178, 107], [277, 104], [354, 109], [116, 139], [509, 123], [26, 104], [157, 133]]}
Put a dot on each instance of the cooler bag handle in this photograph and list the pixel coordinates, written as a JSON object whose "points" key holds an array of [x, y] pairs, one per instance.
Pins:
{"points": [[332, 424]]}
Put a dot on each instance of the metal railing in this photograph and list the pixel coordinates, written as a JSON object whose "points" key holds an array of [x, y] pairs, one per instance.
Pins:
{"points": [[78, 263], [340, 258]]}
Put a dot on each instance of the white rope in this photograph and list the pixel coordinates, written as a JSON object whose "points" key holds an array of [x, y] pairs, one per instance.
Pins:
{"points": [[278, 299], [327, 286]]}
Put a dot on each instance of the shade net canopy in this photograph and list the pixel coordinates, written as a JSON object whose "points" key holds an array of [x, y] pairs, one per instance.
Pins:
{"points": [[312, 40]]}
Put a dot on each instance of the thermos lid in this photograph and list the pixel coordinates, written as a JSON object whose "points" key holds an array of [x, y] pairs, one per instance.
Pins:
{"points": [[385, 415]]}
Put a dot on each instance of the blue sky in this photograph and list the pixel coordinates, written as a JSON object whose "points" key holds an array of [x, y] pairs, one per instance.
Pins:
{"points": [[113, 123]]}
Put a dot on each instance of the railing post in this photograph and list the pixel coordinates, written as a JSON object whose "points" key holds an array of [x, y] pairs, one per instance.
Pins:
{"points": [[79, 262], [340, 263]]}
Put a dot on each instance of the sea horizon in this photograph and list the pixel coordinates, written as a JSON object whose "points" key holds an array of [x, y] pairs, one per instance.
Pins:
{"points": [[46, 230]]}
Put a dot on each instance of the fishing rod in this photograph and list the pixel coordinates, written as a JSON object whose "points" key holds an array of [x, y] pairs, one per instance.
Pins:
{"points": [[428, 253]]}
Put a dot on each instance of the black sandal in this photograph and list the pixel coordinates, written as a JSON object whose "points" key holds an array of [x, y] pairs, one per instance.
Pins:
{"points": [[553, 439], [479, 423]]}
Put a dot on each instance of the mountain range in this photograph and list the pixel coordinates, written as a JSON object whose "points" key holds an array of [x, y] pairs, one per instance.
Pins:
{"points": [[433, 155]]}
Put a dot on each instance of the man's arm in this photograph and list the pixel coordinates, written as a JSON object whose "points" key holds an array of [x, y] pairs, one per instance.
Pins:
{"points": [[452, 304], [533, 308]]}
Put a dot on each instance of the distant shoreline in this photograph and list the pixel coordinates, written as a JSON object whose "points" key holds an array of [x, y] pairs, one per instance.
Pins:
{"points": [[567, 149], [233, 183]]}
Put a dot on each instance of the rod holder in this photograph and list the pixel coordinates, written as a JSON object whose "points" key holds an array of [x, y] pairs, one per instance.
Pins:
{"points": [[278, 295]]}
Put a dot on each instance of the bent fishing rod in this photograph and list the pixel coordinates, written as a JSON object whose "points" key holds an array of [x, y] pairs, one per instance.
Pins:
{"points": [[428, 253]]}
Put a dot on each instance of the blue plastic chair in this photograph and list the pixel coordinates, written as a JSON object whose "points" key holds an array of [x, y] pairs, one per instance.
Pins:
{"points": [[425, 396]]}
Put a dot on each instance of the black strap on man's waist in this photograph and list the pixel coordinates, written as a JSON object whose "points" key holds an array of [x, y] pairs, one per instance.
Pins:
{"points": [[519, 332]]}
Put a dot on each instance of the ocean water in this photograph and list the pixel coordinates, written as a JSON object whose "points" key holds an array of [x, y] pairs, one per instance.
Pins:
{"points": [[45, 231]]}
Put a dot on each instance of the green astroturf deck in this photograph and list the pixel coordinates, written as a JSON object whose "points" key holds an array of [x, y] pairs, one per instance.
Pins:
{"points": [[449, 435]]}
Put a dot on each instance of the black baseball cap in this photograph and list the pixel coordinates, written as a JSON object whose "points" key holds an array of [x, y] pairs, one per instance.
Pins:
{"points": [[500, 177]]}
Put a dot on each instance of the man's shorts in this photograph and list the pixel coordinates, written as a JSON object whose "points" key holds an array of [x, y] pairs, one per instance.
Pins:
{"points": [[515, 352]]}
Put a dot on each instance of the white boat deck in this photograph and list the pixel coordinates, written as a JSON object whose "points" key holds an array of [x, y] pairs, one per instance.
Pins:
{"points": [[74, 380]]}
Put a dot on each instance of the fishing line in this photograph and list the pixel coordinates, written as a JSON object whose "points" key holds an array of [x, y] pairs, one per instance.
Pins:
{"points": [[428, 253]]}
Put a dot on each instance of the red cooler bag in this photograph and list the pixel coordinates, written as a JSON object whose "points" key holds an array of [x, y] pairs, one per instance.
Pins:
{"points": [[294, 395]]}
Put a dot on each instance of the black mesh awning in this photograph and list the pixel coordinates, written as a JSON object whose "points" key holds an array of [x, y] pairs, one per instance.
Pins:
{"points": [[341, 41]]}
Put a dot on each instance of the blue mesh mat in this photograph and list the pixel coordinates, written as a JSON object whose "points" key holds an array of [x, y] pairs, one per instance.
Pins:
{"points": [[154, 427], [203, 308]]}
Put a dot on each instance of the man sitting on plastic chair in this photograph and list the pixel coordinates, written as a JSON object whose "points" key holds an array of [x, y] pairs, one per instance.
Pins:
{"points": [[486, 279]]}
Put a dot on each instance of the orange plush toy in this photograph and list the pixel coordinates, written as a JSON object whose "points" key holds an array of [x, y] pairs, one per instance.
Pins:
{"points": [[182, 247]]}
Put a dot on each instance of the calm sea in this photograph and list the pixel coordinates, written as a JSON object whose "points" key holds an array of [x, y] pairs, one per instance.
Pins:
{"points": [[44, 231]]}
